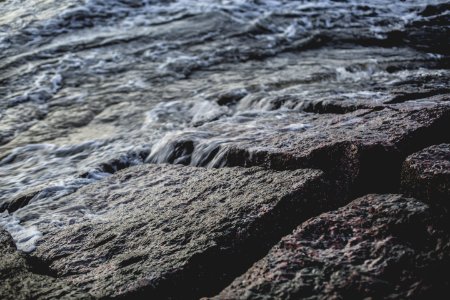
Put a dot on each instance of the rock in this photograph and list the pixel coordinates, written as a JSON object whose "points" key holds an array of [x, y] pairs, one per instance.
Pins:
{"points": [[426, 176], [20, 200], [378, 246], [363, 149], [18, 279], [95, 87], [169, 231], [100, 129], [429, 33]]}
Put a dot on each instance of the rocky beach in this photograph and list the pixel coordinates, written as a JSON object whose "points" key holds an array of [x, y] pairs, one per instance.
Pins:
{"points": [[233, 149]]}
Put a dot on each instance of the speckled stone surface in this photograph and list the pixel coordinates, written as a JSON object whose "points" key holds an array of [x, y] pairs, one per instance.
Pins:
{"points": [[166, 230], [378, 246], [426, 175], [19, 281]]}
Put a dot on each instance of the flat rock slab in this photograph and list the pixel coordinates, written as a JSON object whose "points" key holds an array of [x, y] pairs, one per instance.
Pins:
{"points": [[378, 246], [426, 175], [19, 281], [172, 231]]}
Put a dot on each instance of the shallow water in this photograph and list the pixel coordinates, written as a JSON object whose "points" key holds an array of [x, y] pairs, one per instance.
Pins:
{"points": [[90, 87]]}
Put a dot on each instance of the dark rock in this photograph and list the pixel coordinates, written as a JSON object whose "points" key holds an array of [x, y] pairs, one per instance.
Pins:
{"points": [[90, 88], [363, 150], [19, 280], [169, 231], [426, 176], [378, 246], [431, 32]]}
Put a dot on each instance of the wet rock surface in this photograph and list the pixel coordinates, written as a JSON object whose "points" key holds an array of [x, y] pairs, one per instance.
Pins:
{"points": [[20, 281], [364, 149], [88, 82], [153, 228], [378, 246], [426, 175], [315, 102]]}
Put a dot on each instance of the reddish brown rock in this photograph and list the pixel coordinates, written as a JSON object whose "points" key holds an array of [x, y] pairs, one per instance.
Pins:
{"points": [[378, 246], [426, 175]]}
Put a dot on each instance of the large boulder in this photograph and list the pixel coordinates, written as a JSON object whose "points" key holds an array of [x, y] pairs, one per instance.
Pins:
{"points": [[378, 246], [168, 231], [426, 176], [354, 148]]}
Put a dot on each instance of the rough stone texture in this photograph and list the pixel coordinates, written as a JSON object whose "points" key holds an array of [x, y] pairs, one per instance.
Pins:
{"points": [[173, 231], [378, 246], [90, 87], [19, 281], [426, 176]]}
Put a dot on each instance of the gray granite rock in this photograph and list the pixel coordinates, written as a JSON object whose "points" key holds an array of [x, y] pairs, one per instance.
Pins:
{"points": [[426, 176], [169, 231], [378, 246], [21, 280]]}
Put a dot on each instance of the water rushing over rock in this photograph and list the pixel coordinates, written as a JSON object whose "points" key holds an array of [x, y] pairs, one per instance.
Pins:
{"points": [[89, 88]]}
